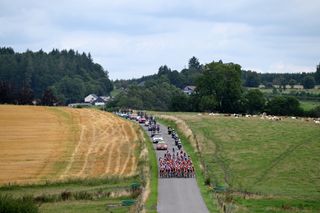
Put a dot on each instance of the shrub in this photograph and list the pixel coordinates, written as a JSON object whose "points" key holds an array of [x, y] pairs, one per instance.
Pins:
{"points": [[9, 204], [66, 195]]}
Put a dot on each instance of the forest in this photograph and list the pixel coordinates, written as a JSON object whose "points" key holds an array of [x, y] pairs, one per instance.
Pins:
{"points": [[66, 76], [58, 76]]}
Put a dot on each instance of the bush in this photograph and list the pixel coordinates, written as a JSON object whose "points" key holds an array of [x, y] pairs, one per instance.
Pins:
{"points": [[83, 195], [66, 195], [315, 112], [9, 204], [281, 105]]}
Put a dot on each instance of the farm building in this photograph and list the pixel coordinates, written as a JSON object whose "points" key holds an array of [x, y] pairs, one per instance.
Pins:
{"points": [[189, 90], [105, 98], [90, 98], [99, 102]]}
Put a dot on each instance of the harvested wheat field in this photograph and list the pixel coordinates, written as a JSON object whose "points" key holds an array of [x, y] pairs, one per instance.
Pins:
{"points": [[52, 143]]}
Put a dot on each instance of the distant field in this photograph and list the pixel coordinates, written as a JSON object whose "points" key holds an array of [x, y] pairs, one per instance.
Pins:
{"points": [[289, 90], [268, 166], [43, 143], [308, 105]]}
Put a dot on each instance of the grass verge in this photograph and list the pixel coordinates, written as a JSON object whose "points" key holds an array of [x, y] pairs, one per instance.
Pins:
{"points": [[205, 189], [151, 203]]}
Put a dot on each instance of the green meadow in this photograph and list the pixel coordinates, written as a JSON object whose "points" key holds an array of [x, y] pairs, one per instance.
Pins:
{"points": [[260, 165]]}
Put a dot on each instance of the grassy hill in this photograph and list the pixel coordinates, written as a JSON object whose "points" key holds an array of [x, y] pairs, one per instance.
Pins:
{"points": [[266, 166]]}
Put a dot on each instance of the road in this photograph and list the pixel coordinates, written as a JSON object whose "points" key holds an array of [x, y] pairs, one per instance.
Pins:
{"points": [[177, 194]]}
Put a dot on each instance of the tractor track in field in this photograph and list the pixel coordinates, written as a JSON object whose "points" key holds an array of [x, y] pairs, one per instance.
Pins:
{"points": [[277, 160]]}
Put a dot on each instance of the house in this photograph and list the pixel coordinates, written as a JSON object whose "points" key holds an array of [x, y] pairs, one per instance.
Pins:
{"points": [[99, 102], [189, 90], [297, 86], [90, 98], [105, 98]]}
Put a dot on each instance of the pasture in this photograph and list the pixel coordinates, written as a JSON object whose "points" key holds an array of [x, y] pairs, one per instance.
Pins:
{"points": [[265, 165], [90, 156]]}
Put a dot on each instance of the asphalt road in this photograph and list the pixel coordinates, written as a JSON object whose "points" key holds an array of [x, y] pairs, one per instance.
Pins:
{"points": [[177, 194]]}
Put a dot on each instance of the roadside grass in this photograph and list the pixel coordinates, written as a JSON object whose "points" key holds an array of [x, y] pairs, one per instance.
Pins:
{"points": [[205, 190], [79, 195], [151, 161], [151, 203], [265, 165]]}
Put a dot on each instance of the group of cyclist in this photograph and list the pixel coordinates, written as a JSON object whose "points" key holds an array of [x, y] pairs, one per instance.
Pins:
{"points": [[176, 164]]}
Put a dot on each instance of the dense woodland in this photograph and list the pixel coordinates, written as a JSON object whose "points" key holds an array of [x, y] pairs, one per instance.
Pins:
{"points": [[58, 76], [62, 77]]}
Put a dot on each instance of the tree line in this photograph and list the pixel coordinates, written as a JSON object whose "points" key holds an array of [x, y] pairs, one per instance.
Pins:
{"points": [[188, 76], [220, 87], [58, 76]]}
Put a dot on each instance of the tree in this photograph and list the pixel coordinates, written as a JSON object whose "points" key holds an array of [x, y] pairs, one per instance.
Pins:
{"points": [[25, 96], [48, 98], [221, 82], [308, 82], [40, 70], [317, 74], [7, 95], [164, 70], [292, 82], [284, 106], [194, 64], [255, 101], [281, 81], [252, 79], [179, 102], [208, 103]]}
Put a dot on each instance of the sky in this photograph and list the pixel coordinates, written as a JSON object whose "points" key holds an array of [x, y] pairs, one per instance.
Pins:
{"points": [[131, 39]]}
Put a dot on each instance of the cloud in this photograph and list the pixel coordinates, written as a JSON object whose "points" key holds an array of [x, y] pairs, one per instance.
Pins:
{"points": [[131, 39]]}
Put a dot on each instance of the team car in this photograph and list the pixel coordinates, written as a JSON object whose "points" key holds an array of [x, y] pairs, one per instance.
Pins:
{"points": [[157, 138], [162, 145]]}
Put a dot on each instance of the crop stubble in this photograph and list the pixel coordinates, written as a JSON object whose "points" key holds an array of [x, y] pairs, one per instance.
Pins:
{"points": [[42, 143]]}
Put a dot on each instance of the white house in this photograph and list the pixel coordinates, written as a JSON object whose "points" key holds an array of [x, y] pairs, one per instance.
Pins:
{"points": [[189, 90], [90, 98], [99, 102]]}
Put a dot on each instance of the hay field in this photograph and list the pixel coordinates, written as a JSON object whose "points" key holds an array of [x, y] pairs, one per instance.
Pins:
{"points": [[43, 143]]}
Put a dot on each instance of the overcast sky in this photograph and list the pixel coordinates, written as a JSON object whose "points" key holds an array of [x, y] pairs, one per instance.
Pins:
{"points": [[133, 38]]}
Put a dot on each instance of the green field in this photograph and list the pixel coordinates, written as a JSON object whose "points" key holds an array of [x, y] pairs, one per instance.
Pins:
{"points": [[89, 195], [265, 166], [308, 105], [289, 90]]}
